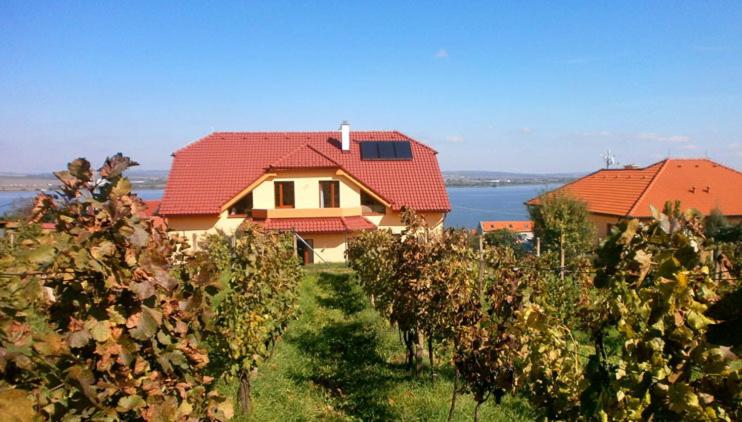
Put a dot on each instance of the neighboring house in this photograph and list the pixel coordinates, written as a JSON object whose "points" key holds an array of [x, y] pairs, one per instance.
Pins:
{"points": [[9, 228], [614, 194], [324, 186], [524, 229]]}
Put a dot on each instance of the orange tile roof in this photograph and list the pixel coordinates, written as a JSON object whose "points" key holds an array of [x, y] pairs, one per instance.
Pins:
{"points": [[515, 226], [697, 183], [208, 173]]}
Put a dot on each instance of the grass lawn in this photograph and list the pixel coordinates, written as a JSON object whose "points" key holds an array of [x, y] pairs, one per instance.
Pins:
{"points": [[340, 361]]}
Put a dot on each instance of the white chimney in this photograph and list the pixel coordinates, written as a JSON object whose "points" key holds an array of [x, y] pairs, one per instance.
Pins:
{"points": [[345, 136]]}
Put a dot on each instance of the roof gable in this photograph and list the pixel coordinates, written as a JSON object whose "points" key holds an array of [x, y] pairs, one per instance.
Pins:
{"points": [[209, 172]]}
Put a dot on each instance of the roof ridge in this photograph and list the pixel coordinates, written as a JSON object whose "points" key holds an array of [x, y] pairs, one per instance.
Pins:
{"points": [[232, 132], [722, 165], [656, 176], [296, 150], [188, 146], [434, 151], [322, 154], [716, 163], [565, 185], [217, 133], [293, 151]]}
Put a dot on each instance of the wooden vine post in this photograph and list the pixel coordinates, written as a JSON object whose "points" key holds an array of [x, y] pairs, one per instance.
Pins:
{"points": [[561, 255]]}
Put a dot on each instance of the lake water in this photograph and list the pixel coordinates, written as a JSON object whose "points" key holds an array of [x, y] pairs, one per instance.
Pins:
{"points": [[10, 199], [470, 204]]}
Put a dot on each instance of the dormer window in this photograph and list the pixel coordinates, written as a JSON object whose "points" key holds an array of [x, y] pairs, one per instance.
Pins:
{"points": [[370, 205], [243, 207], [284, 194], [329, 194]]}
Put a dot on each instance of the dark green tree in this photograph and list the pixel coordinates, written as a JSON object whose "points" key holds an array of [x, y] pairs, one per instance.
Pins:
{"points": [[504, 238], [715, 223], [561, 219]]}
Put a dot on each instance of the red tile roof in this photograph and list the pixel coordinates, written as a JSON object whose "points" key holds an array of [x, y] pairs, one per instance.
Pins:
{"points": [[151, 209], [319, 224], [515, 226], [209, 172], [697, 183]]}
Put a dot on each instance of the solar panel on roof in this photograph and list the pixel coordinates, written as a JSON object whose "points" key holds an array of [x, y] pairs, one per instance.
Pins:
{"points": [[369, 151], [403, 150], [386, 150]]}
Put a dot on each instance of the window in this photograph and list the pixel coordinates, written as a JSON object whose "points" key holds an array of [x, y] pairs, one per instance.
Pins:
{"points": [[329, 194], [242, 207], [284, 192], [370, 205]]}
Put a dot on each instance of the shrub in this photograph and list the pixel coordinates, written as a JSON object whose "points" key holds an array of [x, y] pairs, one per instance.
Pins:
{"points": [[262, 276], [93, 323], [563, 220], [658, 301]]}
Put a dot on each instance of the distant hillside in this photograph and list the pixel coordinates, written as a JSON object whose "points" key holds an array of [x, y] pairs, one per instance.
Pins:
{"points": [[483, 174], [141, 179], [499, 178], [161, 174]]}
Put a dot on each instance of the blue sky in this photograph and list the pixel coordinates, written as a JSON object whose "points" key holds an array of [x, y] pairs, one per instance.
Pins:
{"points": [[525, 86]]}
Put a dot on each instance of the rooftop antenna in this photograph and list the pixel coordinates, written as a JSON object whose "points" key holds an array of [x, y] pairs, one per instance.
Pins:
{"points": [[609, 158]]}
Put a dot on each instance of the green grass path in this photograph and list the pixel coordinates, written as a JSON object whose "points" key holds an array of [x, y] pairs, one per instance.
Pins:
{"points": [[340, 361]]}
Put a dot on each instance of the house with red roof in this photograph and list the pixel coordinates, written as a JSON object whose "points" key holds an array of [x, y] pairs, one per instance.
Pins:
{"points": [[323, 186], [522, 228], [630, 192]]}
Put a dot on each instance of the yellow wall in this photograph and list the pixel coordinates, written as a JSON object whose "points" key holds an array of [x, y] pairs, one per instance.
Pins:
{"points": [[331, 247], [306, 190], [393, 220], [197, 226], [328, 247], [601, 223]]}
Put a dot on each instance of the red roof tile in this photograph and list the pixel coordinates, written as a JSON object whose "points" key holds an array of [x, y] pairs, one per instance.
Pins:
{"points": [[152, 208], [515, 226], [319, 224], [304, 157], [697, 183], [209, 172]]}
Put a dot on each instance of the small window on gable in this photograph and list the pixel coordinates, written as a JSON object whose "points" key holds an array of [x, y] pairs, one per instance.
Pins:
{"points": [[370, 205], [243, 206], [329, 194], [284, 193]]}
